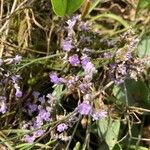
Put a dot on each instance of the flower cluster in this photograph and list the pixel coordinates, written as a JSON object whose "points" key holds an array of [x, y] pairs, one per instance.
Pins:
{"points": [[125, 65], [8, 78], [43, 112], [3, 106]]}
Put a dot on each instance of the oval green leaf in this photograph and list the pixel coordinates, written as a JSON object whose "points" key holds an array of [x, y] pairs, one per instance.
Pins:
{"points": [[59, 7], [108, 129], [66, 7]]}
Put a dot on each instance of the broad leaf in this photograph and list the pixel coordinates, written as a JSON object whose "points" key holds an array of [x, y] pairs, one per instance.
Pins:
{"points": [[144, 48], [73, 5], [59, 7], [108, 129], [66, 7], [137, 93]]}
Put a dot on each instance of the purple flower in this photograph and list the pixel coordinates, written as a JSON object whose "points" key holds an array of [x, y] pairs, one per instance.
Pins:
{"points": [[15, 78], [113, 65], [31, 107], [74, 60], [54, 78], [38, 122], [18, 93], [84, 108], [3, 106], [72, 80], [90, 69], [3, 98], [122, 69], [17, 59], [128, 56], [38, 133], [84, 60], [84, 26], [29, 139], [36, 94], [44, 115], [84, 87], [61, 127], [67, 45], [99, 115], [42, 99], [71, 22]]}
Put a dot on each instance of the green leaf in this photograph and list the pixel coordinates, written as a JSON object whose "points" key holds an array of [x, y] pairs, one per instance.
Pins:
{"points": [[108, 129], [117, 147], [65, 7], [137, 93], [59, 7], [77, 146], [73, 5], [58, 92], [119, 94], [144, 48]]}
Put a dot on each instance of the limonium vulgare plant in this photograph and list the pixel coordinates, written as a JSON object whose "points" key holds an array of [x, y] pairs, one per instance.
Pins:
{"points": [[86, 75]]}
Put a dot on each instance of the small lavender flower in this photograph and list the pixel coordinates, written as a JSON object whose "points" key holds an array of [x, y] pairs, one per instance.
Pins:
{"points": [[83, 26], [72, 80], [36, 94], [3, 107], [31, 107], [74, 60], [38, 122], [17, 59], [84, 60], [44, 115], [29, 139], [84, 87], [42, 99], [3, 98], [61, 127], [113, 65], [18, 93], [84, 108], [67, 45], [54, 78], [71, 23], [38, 133], [90, 69], [122, 69], [15, 78], [99, 115]]}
